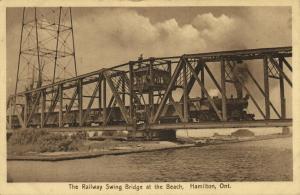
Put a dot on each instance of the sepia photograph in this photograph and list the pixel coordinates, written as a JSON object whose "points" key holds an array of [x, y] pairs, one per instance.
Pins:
{"points": [[194, 94]]}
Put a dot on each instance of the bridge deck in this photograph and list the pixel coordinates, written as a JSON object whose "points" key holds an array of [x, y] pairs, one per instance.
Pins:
{"points": [[189, 126]]}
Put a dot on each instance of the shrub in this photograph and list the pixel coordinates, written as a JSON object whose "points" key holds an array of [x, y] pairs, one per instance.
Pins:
{"points": [[80, 135], [46, 141], [27, 136]]}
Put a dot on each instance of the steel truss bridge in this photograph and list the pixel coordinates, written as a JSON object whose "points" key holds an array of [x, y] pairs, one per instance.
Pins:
{"points": [[141, 95]]}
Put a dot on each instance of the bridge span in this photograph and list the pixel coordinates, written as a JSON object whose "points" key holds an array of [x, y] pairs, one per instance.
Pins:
{"points": [[162, 94]]}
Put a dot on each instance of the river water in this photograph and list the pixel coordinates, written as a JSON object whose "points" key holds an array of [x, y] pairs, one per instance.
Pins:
{"points": [[266, 160]]}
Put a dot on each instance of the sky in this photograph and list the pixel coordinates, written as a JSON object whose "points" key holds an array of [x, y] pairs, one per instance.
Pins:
{"points": [[105, 37]]}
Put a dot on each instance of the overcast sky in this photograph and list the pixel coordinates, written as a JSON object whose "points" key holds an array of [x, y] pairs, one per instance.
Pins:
{"points": [[109, 36]]}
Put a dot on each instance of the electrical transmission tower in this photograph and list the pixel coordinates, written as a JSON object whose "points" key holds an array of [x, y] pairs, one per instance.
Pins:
{"points": [[47, 51]]}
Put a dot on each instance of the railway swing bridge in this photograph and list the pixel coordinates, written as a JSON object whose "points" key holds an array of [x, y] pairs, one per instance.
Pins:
{"points": [[154, 95]]}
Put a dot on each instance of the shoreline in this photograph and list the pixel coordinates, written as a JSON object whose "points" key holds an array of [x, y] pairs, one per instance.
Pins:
{"points": [[85, 155]]}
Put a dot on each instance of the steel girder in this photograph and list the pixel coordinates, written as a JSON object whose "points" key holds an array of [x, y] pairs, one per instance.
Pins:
{"points": [[120, 87]]}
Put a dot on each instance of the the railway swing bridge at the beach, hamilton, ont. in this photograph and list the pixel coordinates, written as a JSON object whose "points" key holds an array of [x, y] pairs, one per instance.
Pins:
{"points": [[146, 97]]}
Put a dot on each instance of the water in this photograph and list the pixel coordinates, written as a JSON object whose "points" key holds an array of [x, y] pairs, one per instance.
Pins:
{"points": [[267, 160], [225, 131]]}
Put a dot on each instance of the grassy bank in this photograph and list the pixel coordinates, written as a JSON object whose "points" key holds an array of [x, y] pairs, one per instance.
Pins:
{"points": [[39, 141], [41, 145]]}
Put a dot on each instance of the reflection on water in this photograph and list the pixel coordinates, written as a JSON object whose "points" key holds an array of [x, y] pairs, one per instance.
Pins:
{"points": [[268, 160]]}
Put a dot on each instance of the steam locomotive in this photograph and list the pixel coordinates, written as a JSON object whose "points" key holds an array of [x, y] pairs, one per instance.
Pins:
{"points": [[236, 109], [200, 110]]}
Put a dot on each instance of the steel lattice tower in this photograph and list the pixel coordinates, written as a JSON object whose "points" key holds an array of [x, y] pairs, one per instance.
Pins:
{"points": [[47, 51]]}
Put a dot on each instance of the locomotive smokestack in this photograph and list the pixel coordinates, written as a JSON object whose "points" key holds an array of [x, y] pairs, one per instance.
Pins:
{"points": [[240, 77], [239, 89]]}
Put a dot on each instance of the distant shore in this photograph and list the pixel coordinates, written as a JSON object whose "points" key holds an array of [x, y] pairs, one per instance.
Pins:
{"points": [[128, 147]]}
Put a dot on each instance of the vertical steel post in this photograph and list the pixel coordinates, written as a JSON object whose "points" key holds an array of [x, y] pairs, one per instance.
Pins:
{"points": [[151, 70], [151, 105], [80, 112], [26, 110], [266, 85], [20, 52], [57, 41], [10, 114], [73, 42], [150, 97], [185, 94], [131, 77], [43, 105], [223, 88], [169, 68], [100, 94], [202, 80], [60, 113], [123, 90], [39, 83], [282, 96], [104, 102]]}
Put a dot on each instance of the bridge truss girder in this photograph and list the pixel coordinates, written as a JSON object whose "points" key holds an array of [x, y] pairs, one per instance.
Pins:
{"points": [[44, 107]]}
